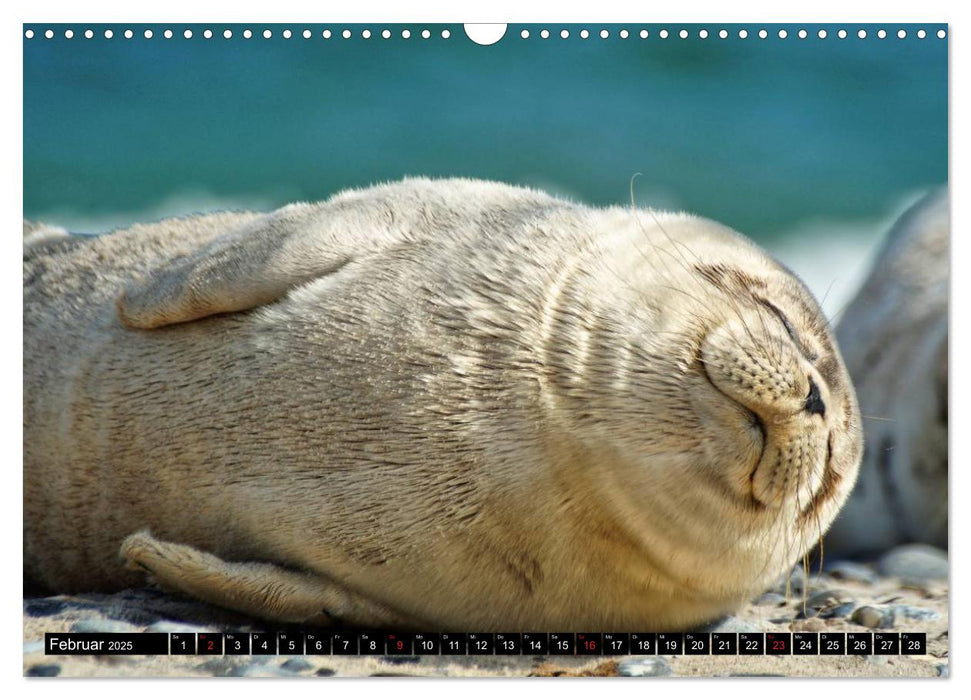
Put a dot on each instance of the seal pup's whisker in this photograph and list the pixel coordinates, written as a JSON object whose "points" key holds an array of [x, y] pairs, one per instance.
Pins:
{"points": [[679, 246]]}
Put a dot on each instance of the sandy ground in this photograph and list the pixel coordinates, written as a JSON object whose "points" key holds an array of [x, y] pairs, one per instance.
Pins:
{"points": [[831, 602]]}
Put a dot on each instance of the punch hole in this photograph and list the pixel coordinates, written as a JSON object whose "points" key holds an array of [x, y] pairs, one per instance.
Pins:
{"points": [[882, 34], [327, 34], [821, 33], [604, 33], [207, 34], [841, 33], [267, 33], [69, 34], [524, 34], [487, 34], [386, 34], [446, 34], [723, 34], [227, 34], [921, 34], [88, 34], [624, 33], [109, 34], [168, 34], [366, 34], [545, 34], [683, 34], [247, 34], [803, 33], [941, 34], [564, 34], [287, 34], [663, 34], [901, 34], [763, 34], [644, 34], [584, 34], [149, 34], [783, 34], [307, 34], [861, 33], [29, 34], [703, 34], [49, 34], [346, 33], [425, 34], [129, 33], [743, 34], [187, 33], [405, 33]]}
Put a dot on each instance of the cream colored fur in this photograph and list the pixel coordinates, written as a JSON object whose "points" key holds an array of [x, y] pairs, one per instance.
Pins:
{"points": [[443, 404]]}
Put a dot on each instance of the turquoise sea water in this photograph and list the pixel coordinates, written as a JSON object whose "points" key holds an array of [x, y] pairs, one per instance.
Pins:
{"points": [[775, 137]]}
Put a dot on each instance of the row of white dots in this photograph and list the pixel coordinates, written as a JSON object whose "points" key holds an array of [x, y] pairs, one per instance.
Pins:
{"points": [[228, 34], [445, 34], [742, 34]]}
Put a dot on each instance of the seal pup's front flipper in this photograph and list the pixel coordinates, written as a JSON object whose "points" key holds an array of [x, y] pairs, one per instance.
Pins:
{"points": [[263, 590], [261, 261], [253, 265]]}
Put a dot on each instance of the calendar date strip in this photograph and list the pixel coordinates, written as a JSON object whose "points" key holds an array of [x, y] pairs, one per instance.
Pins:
{"points": [[337, 643]]}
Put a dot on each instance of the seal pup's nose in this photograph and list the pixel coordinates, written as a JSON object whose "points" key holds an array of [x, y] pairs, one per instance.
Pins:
{"points": [[814, 404]]}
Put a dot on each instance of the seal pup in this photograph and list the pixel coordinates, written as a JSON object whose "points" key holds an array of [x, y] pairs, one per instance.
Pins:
{"points": [[894, 336], [446, 405]]}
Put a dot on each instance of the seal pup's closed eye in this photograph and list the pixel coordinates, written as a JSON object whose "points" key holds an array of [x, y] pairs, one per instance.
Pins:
{"points": [[445, 404]]}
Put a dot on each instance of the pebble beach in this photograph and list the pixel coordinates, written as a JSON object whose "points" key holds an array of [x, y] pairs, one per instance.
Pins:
{"points": [[904, 590]]}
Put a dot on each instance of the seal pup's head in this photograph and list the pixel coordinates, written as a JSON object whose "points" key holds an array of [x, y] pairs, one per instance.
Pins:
{"points": [[727, 421]]}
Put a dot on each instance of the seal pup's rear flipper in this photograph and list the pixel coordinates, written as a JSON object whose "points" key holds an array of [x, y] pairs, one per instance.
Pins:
{"points": [[255, 264], [263, 590]]}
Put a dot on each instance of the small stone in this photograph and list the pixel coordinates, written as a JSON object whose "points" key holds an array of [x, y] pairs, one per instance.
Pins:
{"points": [[915, 562], [44, 671], [296, 665], [874, 617], [222, 665], [912, 612], [806, 613], [733, 624], [170, 626], [770, 599], [827, 599], [260, 671], [43, 607], [942, 670], [843, 610], [647, 666], [851, 571], [325, 672], [103, 626], [34, 647], [877, 659]]}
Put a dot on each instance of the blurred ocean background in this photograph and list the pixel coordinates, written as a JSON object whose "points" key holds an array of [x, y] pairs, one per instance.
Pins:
{"points": [[809, 146]]}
